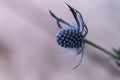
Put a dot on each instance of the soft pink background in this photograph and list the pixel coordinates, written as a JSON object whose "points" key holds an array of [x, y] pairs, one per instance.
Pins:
{"points": [[28, 50]]}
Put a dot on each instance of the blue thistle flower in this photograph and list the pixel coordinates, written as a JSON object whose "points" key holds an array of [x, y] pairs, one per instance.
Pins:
{"points": [[69, 38], [72, 37]]}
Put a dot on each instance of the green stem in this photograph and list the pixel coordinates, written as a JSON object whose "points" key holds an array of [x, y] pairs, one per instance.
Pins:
{"points": [[100, 48]]}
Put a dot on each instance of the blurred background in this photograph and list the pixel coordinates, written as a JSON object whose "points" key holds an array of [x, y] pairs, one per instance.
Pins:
{"points": [[28, 50]]}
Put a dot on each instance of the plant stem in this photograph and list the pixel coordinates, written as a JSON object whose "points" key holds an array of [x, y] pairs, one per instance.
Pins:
{"points": [[100, 48]]}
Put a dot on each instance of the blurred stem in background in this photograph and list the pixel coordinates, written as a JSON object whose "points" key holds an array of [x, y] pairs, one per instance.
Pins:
{"points": [[115, 55]]}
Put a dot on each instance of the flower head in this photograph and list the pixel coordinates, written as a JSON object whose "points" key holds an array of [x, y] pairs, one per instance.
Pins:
{"points": [[72, 37]]}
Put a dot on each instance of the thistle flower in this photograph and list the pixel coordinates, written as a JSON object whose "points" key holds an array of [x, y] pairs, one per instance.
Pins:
{"points": [[72, 37]]}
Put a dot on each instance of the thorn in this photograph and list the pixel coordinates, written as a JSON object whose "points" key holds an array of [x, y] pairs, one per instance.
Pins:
{"points": [[52, 14]]}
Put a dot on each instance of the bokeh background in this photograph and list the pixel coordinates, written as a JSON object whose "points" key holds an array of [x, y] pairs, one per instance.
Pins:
{"points": [[28, 50]]}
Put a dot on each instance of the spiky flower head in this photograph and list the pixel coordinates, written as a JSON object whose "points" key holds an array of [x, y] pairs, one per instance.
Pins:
{"points": [[69, 38]]}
